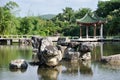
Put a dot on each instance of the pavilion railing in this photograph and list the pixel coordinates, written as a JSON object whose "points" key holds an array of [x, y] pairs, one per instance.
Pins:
{"points": [[99, 37]]}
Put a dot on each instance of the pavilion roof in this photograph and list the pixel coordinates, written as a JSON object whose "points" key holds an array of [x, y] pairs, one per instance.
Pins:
{"points": [[91, 20], [87, 19]]}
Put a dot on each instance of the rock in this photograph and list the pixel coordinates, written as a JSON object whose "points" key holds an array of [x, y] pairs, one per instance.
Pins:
{"points": [[45, 42], [81, 47], [36, 42], [76, 51], [52, 55], [18, 64], [112, 59], [70, 54], [63, 41], [24, 41], [85, 47], [47, 53], [86, 56]]}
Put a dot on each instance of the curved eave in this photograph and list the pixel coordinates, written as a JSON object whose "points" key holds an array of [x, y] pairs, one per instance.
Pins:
{"points": [[87, 24], [93, 23]]}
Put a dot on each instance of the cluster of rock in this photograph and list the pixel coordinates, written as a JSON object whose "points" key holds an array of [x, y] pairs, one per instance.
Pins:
{"points": [[45, 52], [78, 51], [50, 54]]}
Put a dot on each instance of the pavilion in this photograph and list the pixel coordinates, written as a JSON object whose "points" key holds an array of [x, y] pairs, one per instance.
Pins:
{"points": [[91, 21]]}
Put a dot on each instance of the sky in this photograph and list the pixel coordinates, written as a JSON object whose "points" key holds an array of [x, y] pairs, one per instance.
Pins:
{"points": [[41, 7]]}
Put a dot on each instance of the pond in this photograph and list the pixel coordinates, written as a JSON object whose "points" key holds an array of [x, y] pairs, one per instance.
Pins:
{"points": [[88, 70]]}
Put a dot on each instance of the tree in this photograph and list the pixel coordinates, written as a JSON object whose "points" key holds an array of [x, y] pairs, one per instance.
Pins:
{"points": [[8, 21], [26, 25], [114, 23], [111, 11], [68, 14], [105, 7], [81, 12]]}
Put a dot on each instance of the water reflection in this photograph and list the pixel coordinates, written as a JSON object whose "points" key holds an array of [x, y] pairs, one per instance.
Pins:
{"points": [[74, 68], [85, 68], [71, 68], [18, 70], [109, 66], [78, 67], [105, 49], [48, 73]]}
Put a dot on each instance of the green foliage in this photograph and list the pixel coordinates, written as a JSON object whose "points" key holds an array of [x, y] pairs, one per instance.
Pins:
{"points": [[67, 21], [36, 26], [67, 16], [105, 7], [110, 10], [8, 21], [114, 22], [63, 23], [115, 0], [81, 12]]}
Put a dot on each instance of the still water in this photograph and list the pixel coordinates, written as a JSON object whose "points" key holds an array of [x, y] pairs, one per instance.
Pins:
{"points": [[90, 70]]}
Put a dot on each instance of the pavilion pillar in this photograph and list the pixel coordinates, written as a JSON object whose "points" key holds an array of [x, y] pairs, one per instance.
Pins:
{"points": [[80, 31], [101, 31], [95, 31], [86, 31]]}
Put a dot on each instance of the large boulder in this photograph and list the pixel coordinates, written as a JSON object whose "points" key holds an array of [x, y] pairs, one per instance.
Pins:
{"points": [[51, 55], [47, 53], [112, 59]]}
